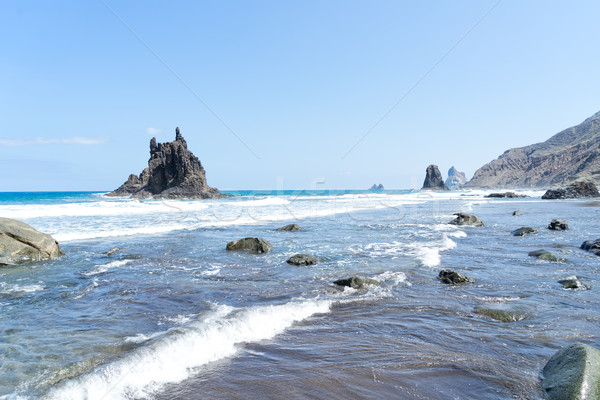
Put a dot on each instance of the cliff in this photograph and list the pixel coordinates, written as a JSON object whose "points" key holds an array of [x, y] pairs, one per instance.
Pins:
{"points": [[568, 156], [173, 172]]}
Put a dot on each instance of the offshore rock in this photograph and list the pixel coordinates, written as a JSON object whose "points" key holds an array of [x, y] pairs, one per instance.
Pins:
{"points": [[20, 243], [517, 213], [573, 373], [466, 219], [503, 315], [593, 246], [290, 227], [377, 187], [450, 277], [524, 231], [573, 191], [303, 259], [355, 282], [573, 284], [456, 179], [556, 225], [173, 172], [546, 256], [250, 245], [505, 195], [433, 179]]}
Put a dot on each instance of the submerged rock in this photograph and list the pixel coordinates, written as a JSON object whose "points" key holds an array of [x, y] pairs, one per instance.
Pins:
{"points": [[505, 195], [112, 251], [453, 278], [593, 246], [250, 245], [573, 373], [573, 191], [557, 225], [517, 213], [456, 179], [290, 227], [355, 282], [503, 315], [546, 255], [524, 231], [466, 219], [303, 259], [433, 179], [573, 283], [20, 243], [376, 187]]}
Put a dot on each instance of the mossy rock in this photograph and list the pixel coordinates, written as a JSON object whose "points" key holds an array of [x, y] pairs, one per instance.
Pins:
{"points": [[355, 282], [503, 315], [546, 256]]}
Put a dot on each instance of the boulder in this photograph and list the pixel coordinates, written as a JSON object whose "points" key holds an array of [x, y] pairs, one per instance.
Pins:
{"points": [[557, 225], [290, 227], [303, 259], [573, 283], [112, 251], [433, 179], [250, 245], [524, 231], [546, 256], [456, 179], [20, 243], [503, 315], [453, 278], [355, 282], [517, 213], [573, 373], [376, 187], [466, 219], [573, 191], [593, 246], [505, 195], [173, 172]]}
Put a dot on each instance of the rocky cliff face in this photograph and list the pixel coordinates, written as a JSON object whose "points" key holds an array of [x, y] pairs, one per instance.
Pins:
{"points": [[172, 172], [456, 179], [573, 154], [433, 179]]}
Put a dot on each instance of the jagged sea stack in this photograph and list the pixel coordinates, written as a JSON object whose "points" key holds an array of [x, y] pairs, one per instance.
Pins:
{"points": [[456, 179], [173, 172], [433, 179]]}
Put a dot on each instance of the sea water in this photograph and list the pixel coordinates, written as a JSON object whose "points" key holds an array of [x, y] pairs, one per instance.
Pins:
{"points": [[173, 315]]}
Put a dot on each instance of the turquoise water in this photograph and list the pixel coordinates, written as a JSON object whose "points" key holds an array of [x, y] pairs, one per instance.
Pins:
{"points": [[172, 315]]}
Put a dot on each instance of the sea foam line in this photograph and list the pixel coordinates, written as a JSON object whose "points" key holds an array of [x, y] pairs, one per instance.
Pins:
{"points": [[176, 356]]}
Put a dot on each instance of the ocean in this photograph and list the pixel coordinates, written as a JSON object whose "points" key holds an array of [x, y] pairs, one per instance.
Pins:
{"points": [[172, 315]]}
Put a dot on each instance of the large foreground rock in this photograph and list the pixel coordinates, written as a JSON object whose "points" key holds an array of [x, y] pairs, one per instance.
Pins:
{"points": [[19, 243], [573, 373], [173, 172], [575, 190], [250, 245], [466, 219], [433, 179]]}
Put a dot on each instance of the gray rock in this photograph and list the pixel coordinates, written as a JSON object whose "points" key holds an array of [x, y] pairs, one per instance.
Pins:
{"points": [[524, 231], [466, 219], [517, 213], [250, 245], [290, 227], [355, 282], [574, 284], [173, 172], [573, 373], [433, 179], [593, 246], [453, 278], [20, 243], [456, 179], [575, 190], [303, 259], [557, 225], [505, 195], [503, 315], [546, 255]]}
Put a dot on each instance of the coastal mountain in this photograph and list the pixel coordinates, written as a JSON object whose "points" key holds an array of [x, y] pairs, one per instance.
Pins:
{"points": [[173, 172], [568, 156], [456, 179]]}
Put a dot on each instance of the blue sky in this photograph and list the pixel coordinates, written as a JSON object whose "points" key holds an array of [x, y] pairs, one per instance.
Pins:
{"points": [[272, 94]]}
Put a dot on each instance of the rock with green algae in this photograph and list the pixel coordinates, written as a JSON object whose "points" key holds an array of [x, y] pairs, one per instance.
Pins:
{"points": [[546, 256], [573, 373], [355, 282], [503, 315]]}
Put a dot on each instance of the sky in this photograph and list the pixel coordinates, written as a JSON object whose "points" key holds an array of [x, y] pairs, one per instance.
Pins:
{"points": [[287, 94]]}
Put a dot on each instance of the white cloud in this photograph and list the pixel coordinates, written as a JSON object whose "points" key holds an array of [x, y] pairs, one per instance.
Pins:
{"points": [[153, 131], [41, 141]]}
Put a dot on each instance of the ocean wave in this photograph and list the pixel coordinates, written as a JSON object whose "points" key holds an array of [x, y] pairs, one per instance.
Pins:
{"points": [[7, 288], [101, 268]]}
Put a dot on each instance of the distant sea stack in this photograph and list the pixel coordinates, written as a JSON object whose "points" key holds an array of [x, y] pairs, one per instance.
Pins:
{"points": [[173, 172], [377, 187], [433, 179], [456, 179], [568, 156]]}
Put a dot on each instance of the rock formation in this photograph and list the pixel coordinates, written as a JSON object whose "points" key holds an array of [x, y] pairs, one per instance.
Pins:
{"points": [[505, 195], [593, 246], [250, 245], [356, 282], [456, 179], [450, 277], [574, 191], [303, 259], [19, 243], [377, 187], [173, 172], [546, 256], [570, 155], [289, 228], [524, 231], [466, 219], [556, 225], [433, 179]]}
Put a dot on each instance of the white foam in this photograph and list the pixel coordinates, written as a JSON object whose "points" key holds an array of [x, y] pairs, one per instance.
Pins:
{"points": [[6, 288], [176, 356], [101, 268]]}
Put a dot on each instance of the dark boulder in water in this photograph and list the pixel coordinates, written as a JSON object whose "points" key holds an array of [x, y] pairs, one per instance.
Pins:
{"points": [[453, 278], [573, 283], [546, 256], [303, 259], [355, 282], [433, 179], [556, 225], [573, 191], [112, 251], [573, 373], [20, 243], [466, 219], [290, 227], [593, 246], [517, 213], [524, 231], [250, 245], [505, 195]]}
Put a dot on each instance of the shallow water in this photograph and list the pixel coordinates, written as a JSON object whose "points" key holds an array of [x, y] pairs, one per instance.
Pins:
{"points": [[173, 315]]}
